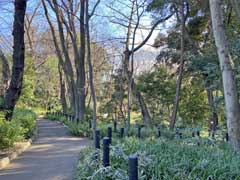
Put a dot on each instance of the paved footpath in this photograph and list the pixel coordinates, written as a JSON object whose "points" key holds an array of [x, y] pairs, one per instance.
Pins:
{"points": [[53, 155]]}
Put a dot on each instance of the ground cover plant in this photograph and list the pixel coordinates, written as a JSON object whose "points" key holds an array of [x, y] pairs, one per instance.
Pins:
{"points": [[170, 156], [21, 127]]}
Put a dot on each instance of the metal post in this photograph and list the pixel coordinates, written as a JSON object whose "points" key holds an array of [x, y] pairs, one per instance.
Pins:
{"points": [[106, 160], [139, 132], [133, 167], [159, 132], [121, 132], [97, 139], [193, 134], [227, 137], [198, 133], [213, 134], [180, 135], [90, 124], [110, 134], [115, 126]]}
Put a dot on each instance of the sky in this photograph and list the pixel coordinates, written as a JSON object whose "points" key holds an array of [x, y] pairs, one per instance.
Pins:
{"points": [[103, 31]]}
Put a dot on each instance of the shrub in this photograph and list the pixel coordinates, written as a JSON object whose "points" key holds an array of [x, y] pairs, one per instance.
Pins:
{"points": [[10, 132], [79, 129], [26, 119]]}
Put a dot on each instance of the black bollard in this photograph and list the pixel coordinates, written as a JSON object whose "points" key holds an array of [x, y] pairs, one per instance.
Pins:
{"points": [[121, 132], [180, 135], [198, 143], [177, 132], [106, 160], [159, 132], [97, 139], [115, 126], [110, 134], [193, 134], [90, 124], [133, 167], [139, 132], [198, 133], [227, 137], [213, 134]]}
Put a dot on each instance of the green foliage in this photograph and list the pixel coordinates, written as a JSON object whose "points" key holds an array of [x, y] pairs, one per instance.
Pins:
{"points": [[21, 126], [162, 159], [193, 104], [39, 85], [79, 129], [10, 132], [26, 119], [158, 88]]}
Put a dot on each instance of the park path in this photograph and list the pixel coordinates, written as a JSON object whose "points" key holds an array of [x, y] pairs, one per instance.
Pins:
{"points": [[52, 156]]}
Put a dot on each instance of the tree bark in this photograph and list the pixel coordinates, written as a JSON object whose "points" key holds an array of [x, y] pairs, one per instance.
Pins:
{"points": [[213, 120], [81, 65], [90, 70], [129, 68], [180, 75], [65, 64], [14, 90], [229, 83], [62, 89]]}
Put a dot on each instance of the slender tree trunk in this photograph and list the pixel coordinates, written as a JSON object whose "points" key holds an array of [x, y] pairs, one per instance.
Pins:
{"points": [[180, 75], [90, 70], [14, 91], [66, 65], [81, 65], [62, 90], [229, 83], [144, 110], [213, 120], [5, 73]]}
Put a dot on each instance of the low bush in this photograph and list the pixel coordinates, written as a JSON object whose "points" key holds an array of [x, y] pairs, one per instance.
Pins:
{"points": [[10, 132], [20, 127], [161, 159], [79, 129], [27, 120]]}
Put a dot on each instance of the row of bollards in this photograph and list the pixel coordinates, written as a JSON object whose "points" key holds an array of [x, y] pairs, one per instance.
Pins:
{"points": [[139, 128], [132, 160]]}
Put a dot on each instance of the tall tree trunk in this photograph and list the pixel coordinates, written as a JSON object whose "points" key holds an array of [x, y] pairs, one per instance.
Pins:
{"points": [[144, 110], [5, 73], [81, 65], [66, 65], [180, 75], [213, 120], [62, 89], [229, 83], [90, 70], [14, 90], [136, 93]]}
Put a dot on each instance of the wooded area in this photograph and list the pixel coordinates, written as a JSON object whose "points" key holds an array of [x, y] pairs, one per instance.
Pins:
{"points": [[169, 65]]}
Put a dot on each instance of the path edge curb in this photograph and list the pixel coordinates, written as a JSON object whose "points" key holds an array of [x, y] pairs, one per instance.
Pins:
{"points": [[6, 160]]}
